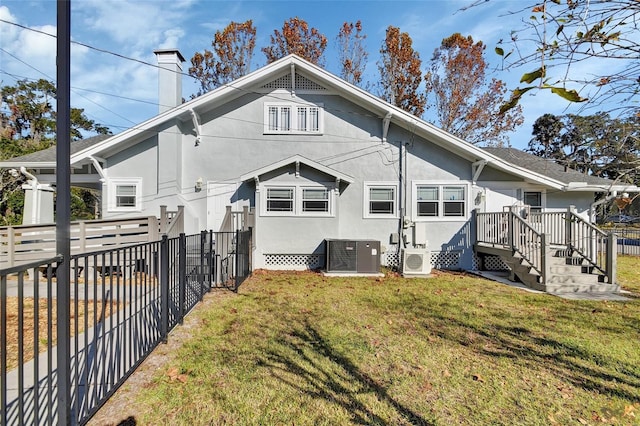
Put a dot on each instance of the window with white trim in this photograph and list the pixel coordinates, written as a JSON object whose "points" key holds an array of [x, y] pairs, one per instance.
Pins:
{"points": [[439, 201], [297, 200], [280, 199], [125, 194], [315, 200], [533, 199], [380, 200], [293, 118]]}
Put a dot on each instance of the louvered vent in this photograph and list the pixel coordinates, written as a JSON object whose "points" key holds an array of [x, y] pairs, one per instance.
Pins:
{"points": [[302, 83], [283, 82]]}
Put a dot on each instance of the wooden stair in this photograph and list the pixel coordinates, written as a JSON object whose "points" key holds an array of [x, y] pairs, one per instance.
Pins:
{"points": [[568, 273]]}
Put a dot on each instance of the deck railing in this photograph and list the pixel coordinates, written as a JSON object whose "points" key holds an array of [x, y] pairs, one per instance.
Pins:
{"points": [[533, 236], [28, 243]]}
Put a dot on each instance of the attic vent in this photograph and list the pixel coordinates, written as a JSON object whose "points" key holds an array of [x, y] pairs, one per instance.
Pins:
{"points": [[302, 83], [283, 82]]}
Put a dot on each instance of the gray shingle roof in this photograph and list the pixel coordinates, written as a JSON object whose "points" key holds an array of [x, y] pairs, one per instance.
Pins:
{"points": [[544, 166], [49, 154]]}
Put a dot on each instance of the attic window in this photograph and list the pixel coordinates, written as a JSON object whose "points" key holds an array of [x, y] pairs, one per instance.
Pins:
{"points": [[281, 118]]}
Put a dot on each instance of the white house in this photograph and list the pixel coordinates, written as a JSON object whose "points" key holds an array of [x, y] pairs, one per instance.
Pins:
{"points": [[314, 158]]}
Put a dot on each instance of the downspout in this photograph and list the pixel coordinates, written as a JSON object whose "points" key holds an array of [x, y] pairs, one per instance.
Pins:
{"points": [[592, 207], [400, 220]]}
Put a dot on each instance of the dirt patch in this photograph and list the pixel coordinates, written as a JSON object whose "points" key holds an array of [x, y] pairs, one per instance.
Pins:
{"points": [[45, 308], [121, 408]]}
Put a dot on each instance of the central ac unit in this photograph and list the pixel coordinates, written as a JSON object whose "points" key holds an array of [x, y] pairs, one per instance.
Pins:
{"points": [[416, 262]]}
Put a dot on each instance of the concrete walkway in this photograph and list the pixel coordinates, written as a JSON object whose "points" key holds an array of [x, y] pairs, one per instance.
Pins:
{"points": [[105, 353], [503, 277]]}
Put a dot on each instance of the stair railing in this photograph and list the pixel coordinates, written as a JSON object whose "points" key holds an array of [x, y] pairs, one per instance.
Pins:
{"points": [[528, 243], [592, 244]]}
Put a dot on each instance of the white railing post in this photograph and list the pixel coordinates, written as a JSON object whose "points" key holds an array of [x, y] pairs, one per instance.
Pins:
{"points": [[545, 257], [82, 236], [152, 229], [612, 257], [11, 236], [163, 219]]}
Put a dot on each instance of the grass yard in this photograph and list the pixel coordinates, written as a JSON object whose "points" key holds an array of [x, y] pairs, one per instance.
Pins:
{"points": [[300, 348]]}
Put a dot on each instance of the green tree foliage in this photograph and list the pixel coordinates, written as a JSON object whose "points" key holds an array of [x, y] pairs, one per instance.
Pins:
{"points": [[229, 59], [466, 104], [597, 144], [601, 36], [28, 124], [296, 37], [400, 73]]}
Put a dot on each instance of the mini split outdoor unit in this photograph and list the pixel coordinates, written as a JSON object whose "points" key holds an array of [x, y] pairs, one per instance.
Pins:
{"points": [[416, 262], [353, 256]]}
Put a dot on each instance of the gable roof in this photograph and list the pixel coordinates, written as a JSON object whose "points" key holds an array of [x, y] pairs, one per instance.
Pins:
{"points": [[298, 159], [262, 77]]}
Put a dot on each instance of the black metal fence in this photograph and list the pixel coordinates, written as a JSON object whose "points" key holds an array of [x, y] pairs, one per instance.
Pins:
{"points": [[628, 241], [123, 304]]}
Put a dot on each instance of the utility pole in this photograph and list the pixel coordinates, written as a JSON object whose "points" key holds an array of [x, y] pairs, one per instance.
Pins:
{"points": [[63, 209]]}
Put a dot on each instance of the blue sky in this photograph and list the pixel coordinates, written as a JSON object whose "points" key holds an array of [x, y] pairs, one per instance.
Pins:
{"points": [[119, 92]]}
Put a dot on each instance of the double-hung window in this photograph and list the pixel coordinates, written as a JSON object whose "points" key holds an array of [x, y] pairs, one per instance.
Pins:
{"points": [[315, 200], [381, 200], [534, 200], [297, 200], [125, 194], [280, 199], [293, 118], [439, 201]]}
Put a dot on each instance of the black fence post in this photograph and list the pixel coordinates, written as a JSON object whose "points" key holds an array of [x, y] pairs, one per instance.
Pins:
{"points": [[182, 275], [237, 262], [164, 288], [201, 269], [212, 260]]}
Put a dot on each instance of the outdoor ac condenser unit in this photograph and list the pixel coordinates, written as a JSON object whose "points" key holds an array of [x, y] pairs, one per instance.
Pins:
{"points": [[359, 256], [416, 262]]}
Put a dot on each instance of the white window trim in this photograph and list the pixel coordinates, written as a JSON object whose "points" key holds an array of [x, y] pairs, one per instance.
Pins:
{"points": [[113, 184], [365, 205], [543, 197], [294, 118], [440, 217], [297, 199]]}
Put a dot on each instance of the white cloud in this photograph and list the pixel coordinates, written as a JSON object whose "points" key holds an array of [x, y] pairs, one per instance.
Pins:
{"points": [[134, 25]]}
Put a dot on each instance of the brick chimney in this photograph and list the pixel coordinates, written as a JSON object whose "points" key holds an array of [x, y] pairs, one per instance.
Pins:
{"points": [[169, 78]]}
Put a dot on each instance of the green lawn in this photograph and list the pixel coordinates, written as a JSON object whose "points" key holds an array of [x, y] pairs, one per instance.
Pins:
{"points": [[303, 349]]}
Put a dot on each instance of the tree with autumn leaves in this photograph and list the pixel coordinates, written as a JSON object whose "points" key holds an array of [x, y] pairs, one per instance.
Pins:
{"points": [[296, 37], [230, 58], [466, 103], [400, 72]]}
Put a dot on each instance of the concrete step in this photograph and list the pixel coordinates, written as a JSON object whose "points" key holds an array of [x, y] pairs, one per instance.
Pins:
{"points": [[574, 279], [570, 269], [582, 288]]}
